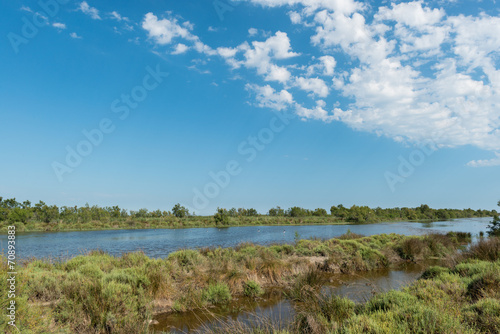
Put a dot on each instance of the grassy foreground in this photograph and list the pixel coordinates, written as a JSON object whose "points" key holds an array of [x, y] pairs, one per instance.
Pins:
{"points": [[463, 297], [100, 293]]}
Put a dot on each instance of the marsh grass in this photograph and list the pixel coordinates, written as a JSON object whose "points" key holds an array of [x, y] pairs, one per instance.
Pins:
{"points": [[464, 298], [99, 293]]}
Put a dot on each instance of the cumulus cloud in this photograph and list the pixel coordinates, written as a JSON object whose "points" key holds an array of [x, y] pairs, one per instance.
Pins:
{"points": [[58, 25], [340, 6], [180, 48], [90, 11], [74, 35], [262, 55], [314, 85], [485, 163], [164, 31], [116, 16], [252, 32], [268, 97], [397, 96], [408, 71]]}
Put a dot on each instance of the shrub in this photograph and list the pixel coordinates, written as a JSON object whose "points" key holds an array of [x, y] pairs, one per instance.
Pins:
{"points": [[484, 315], [217, 294], [335, 308], [91, 270], [412, 249], [221, 217], [485, 249], [43, 286], [252, 289], [186, 257], [392, 299]]}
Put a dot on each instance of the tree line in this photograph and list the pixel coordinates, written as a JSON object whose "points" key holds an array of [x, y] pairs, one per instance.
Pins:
{"points": [[14, 211]]}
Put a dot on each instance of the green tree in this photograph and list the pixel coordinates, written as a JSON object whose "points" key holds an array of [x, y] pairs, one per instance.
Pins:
{"points": [[297, 212], [179, 211], [319, 212], [494, 227], [221, 217], [277, 211], [20, 215], [339, 211], [46, 213]]}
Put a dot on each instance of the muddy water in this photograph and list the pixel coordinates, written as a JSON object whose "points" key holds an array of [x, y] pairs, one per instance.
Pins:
{"points": [[358, 287]]}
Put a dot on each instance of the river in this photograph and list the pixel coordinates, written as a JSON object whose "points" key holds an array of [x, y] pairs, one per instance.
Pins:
{"points": [[159, 243]]}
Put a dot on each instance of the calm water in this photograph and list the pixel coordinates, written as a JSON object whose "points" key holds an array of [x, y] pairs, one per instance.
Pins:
{"points": [[161, 242], [358, 287]]}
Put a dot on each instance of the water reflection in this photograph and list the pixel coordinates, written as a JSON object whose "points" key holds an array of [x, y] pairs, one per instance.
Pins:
{"points": [[358, 287]]}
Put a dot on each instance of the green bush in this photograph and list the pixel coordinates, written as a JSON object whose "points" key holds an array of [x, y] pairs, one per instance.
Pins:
{"points": [[186, 257], [217, 294], [484, 315], [252, 289]]}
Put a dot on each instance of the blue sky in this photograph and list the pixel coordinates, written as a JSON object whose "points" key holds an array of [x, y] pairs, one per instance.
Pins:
{"points": [[251, 103]]}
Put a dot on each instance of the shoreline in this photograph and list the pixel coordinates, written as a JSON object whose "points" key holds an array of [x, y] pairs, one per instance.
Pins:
{"points": [[53, 227]]}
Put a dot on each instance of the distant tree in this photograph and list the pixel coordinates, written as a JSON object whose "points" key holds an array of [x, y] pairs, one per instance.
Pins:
{"points": [[250, 212], [221, 217], [157, 214], [46, 213], [339, 211], [142, 213], [296, 211], [20, 215], [179, 211], [494, 227], [319, 212], [277, 211], [233, 212]]}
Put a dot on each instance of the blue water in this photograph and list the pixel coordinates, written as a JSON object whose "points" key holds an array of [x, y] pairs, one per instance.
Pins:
{"points": [[161, 242]]}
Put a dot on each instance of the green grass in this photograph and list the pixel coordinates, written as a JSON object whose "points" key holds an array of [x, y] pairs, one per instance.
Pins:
{"points": [[100, 293], [463, 298]]}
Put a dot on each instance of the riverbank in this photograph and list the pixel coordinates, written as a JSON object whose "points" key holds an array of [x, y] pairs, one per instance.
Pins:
{"points": [[167, 223], [181, 223], [102, 293]]}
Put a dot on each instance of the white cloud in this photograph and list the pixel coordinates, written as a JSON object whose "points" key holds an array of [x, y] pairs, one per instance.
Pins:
{"points": [[411, 14], [116, 16], [340, 6], [74, 35], [314, 85], [91, 11], [295, 17], [268, 97], [317, 113], [261, 54], [485, 163], [393, 96], [60, 26], [252, 32], [409, 71], [26, 9], [227, 52], [164, 30], [179, 49], [329, 64]]}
